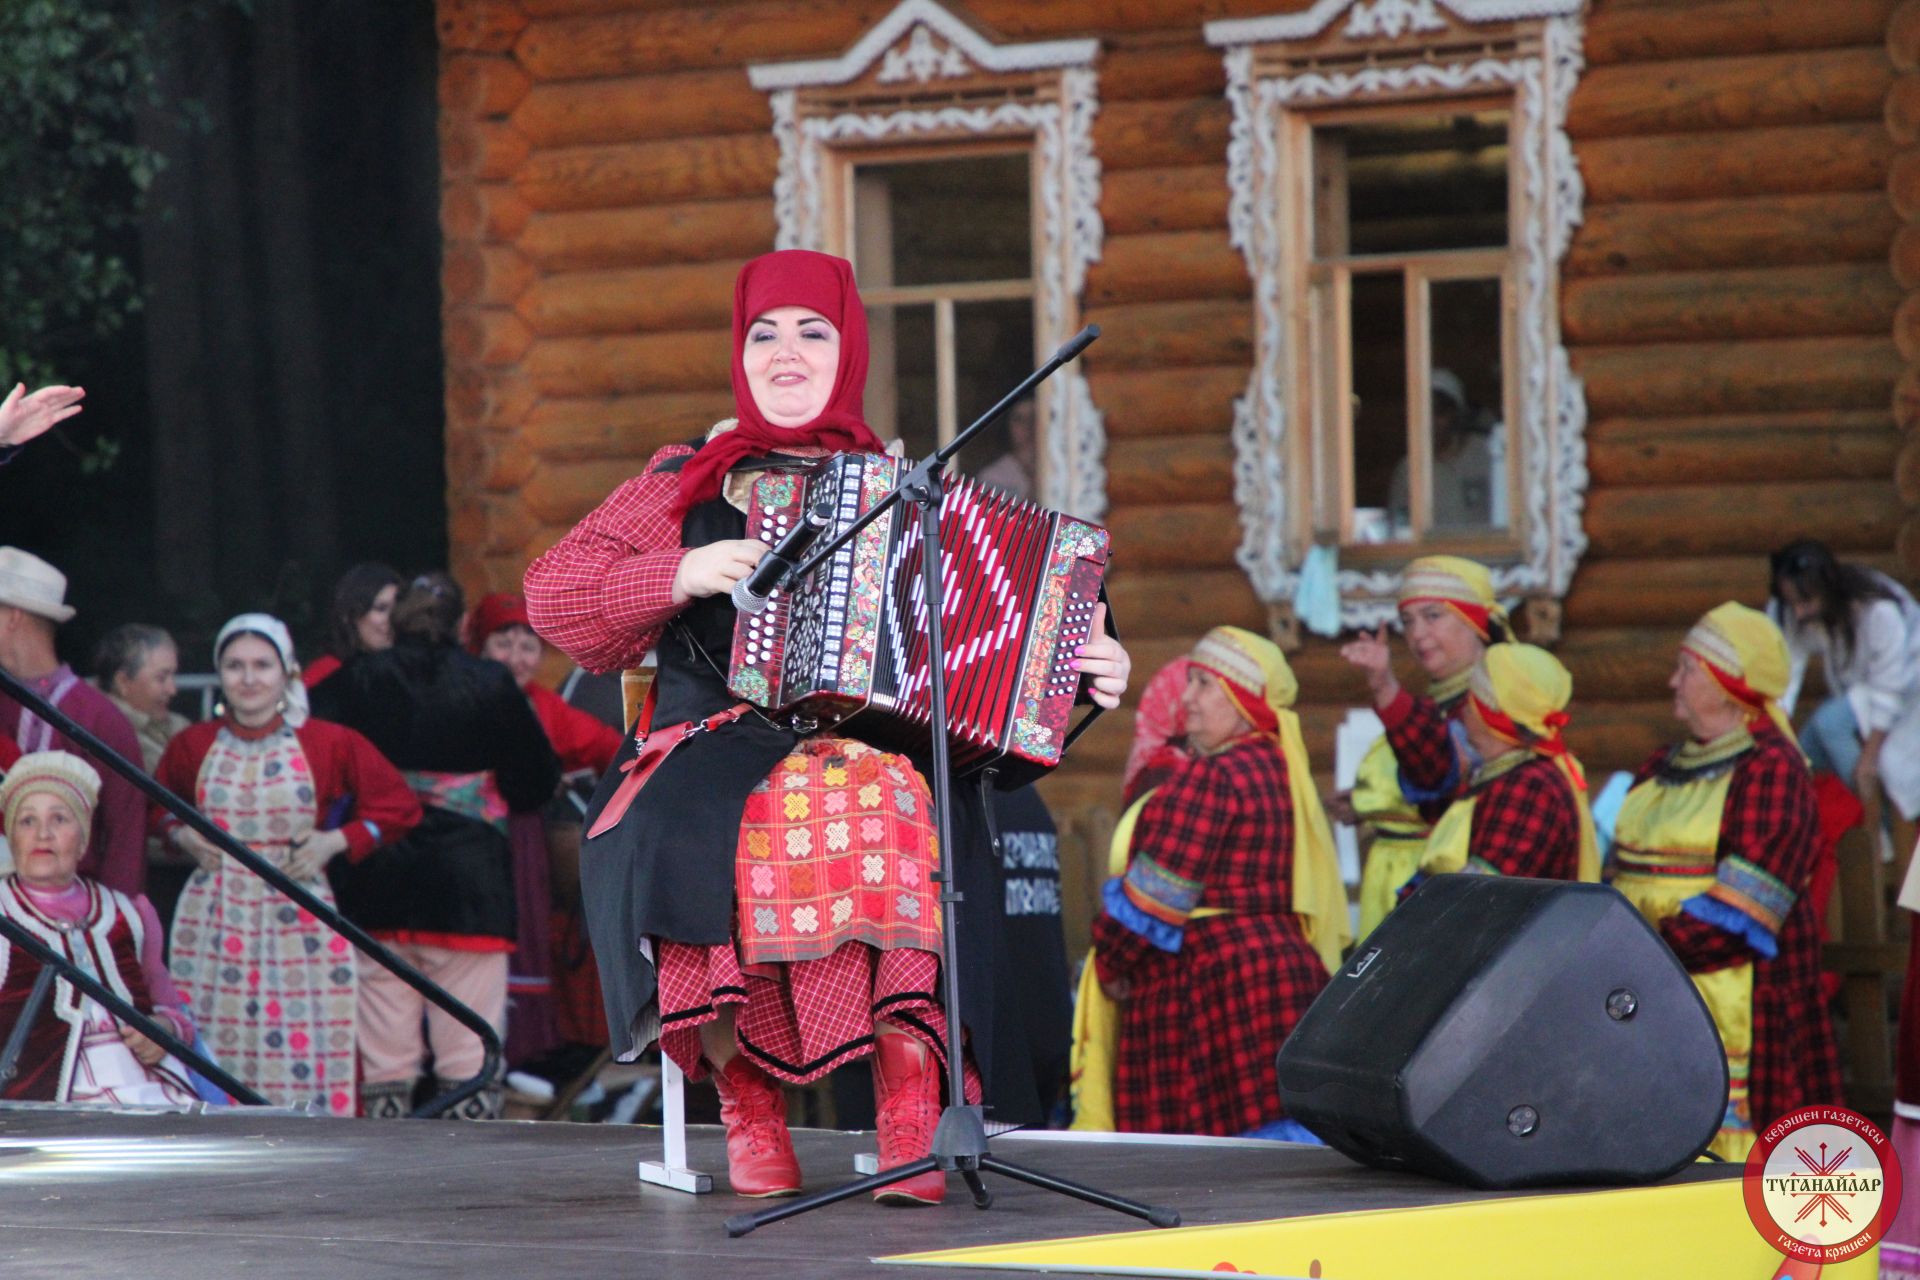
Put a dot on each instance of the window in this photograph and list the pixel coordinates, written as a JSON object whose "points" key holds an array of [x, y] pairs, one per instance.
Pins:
{"points": [[958, 175], [1403, 188], [950, 301]]}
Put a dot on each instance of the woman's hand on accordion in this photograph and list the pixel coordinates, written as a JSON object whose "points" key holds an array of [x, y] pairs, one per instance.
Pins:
{"points": [[1105, 660], [713, 569]]}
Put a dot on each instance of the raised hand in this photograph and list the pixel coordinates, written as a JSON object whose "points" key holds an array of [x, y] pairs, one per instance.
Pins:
{"points": [[23, 416], [1373, 656]]}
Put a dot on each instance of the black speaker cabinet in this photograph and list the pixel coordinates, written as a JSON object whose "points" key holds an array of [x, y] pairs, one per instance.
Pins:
{"points": [[1510, 1033]]}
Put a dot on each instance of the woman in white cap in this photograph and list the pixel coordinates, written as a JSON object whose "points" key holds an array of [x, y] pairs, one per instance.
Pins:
{"points": [[76, 1051], [272, 988]]}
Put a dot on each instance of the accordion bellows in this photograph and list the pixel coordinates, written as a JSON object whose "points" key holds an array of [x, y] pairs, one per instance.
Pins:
{"points": [[847, 646]]}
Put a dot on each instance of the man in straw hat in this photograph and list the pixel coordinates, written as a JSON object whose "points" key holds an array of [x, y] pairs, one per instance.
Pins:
{"points": [[1715, 845], [32, 606]]}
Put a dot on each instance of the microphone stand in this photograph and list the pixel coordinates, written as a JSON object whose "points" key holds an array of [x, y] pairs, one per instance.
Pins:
{"points": [[960, 1141]]}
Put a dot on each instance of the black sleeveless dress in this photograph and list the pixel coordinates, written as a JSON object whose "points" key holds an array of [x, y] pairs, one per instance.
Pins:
{"points": [[667, 870]]}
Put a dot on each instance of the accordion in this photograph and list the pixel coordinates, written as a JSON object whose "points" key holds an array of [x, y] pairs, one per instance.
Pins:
{"points": [[847, 645]]}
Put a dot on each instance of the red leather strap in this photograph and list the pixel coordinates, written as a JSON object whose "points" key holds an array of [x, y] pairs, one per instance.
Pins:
{"points": [[655, 747]]}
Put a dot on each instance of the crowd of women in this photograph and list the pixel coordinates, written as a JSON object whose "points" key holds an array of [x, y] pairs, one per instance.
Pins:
{"points": [[411, 775], [760, 895]]}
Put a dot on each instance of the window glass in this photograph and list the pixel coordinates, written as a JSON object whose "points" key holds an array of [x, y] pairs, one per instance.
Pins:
{"points": [[1466, 384], [953, 221], [1414, 184]]}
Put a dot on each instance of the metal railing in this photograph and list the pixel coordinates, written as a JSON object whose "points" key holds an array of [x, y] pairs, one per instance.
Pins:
{"points": [[289, 887]]}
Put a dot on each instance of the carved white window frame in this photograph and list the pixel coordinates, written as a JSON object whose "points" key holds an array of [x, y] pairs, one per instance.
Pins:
{"points": [[1267, 80], [905, 56]]}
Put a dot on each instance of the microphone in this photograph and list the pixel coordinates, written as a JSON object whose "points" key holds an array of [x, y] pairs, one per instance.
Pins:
{"points": [[750, 593]]}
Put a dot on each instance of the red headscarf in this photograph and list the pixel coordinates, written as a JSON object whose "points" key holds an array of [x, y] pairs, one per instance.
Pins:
{"points": [[789, 278], [501, 609]]}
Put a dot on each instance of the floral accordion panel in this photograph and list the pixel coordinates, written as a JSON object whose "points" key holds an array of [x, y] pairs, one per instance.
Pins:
{"points": [[837, 845]]}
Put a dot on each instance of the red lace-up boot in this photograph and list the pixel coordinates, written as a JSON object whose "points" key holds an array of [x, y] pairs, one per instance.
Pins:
{"points": [[760, 1159], [906, 1099]]}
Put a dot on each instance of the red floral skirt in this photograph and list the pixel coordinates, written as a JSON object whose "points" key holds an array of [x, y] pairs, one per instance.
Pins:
{"points": [[837, 923]]}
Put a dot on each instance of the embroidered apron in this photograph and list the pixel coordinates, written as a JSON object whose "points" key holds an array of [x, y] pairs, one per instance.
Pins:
{"points": [[1664, 853], [272, 989]]}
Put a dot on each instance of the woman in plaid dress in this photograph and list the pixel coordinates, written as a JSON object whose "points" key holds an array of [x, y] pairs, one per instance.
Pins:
{"points": [[1231, 913], [764, 906], [1715, 845]]}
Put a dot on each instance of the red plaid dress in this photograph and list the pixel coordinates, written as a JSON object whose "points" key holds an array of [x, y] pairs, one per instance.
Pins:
{"points": [[1201, 1026], [1526, 823], [1771, 823]]}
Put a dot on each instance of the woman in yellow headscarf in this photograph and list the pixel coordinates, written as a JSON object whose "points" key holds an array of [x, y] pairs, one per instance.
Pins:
{"points": [[1231, 912], [1449, 615], [1524, 811], [1715, 845]]}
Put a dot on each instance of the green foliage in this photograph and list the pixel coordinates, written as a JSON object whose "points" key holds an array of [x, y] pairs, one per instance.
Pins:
{"points": [[73, 178]]}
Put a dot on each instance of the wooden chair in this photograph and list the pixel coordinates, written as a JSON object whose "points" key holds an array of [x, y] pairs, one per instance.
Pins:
{"points": [[1868, 948]]}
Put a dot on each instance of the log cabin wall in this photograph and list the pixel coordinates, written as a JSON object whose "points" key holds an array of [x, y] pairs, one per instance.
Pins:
{"points": [[1729, 302]]}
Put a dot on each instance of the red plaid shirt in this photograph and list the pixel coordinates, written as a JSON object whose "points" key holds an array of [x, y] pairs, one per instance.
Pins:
{"points": [[1526, 822], [603, 594], [1420, 733]]}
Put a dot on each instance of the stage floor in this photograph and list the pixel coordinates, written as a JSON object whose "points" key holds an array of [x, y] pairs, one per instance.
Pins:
{"points": [[154, 1196]]}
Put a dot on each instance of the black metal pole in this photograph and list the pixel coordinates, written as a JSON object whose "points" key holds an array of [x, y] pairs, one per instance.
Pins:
{"points": [[353, 933], [29, 1014], [152, 1028]]}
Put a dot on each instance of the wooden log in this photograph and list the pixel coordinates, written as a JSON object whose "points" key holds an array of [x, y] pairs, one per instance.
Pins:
{"points": [[482, 211], [1903, 109], [502, 572], [691, 37], [1905, 257], [1149, 603], [478, 26], [1160, 334], [652, 298], [1188, 69], [578, 8], [481, 149], [1186, 197], [1715, 519], [507, 464], [1621, 664], [1769, 302], [1754, 448], [634, 427], [466, 522], [1163, 402], [1801, 86], [1167, 469], [1176, 535], [1854, 156], [483, 275], [488, 398], [1903, 185], [561, 492], [650, 172], [1737, 377], [491, 337], [695, 361], [1696, 235], [1906, 399], [1612, 736], [703, 231], [1903, 36], [1168, 266], [506, 526], [481, 84], [1906, 328], [1906, 472], [1673, 591], [642, 108], [1138, 135], [1907, 548], [1637, 30]]}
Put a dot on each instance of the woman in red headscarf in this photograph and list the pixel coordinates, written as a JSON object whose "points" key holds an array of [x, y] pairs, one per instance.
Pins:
{"points": [[764, 905]]}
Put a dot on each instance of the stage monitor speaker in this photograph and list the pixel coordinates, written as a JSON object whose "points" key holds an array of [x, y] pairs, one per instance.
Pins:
{"points": [[1510, 1033]]}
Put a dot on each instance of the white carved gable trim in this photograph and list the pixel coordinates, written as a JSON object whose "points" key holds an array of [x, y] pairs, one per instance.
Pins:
{"points": [[1388, 18], [1552, 403], [907, 38], [1066, 190]]}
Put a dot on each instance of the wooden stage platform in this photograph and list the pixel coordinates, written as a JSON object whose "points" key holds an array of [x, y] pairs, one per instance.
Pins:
{"points": [[148, 1197]]}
